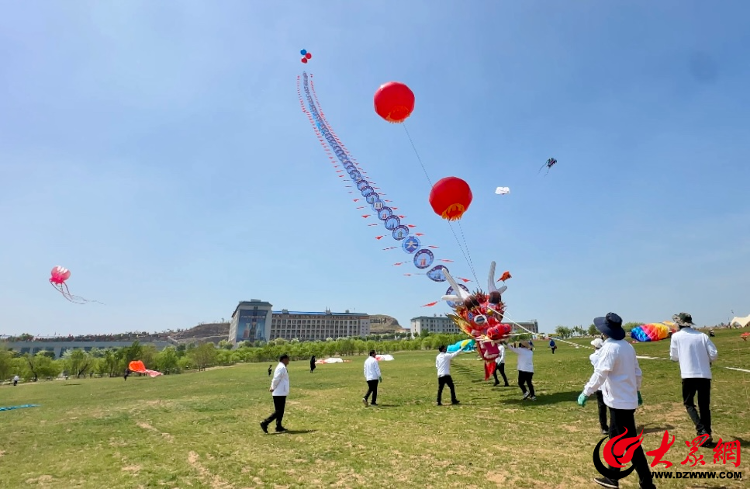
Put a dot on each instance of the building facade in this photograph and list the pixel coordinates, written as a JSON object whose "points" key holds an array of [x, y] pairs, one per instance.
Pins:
{"points": [[434, 324], [251, 321], [532, 326], [442, 324], [318, 326]]}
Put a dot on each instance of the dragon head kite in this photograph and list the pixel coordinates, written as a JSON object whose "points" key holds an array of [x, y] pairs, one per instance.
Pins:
{"points": [[480, 315]]}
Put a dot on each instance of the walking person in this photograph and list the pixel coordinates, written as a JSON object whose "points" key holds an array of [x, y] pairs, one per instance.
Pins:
{"points": [[15, 380], [443, 366], [695, 351], [373, 377], [280, 390], [552, 346], [618, 374], [525, 368], [312, 363], [594, 357], [270, 370], [500, 366]]}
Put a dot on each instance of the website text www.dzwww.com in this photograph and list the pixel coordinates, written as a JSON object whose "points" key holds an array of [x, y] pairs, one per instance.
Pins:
{"points": [[697, 475]]}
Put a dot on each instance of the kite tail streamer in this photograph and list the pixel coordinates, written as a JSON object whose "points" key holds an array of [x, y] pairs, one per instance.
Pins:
{"points": [[422, 257]]}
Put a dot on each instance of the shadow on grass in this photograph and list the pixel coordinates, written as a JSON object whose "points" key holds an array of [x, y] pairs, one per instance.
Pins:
{"points": [[656, 429], [294, 432], [384, 405], [543, 399], [65, 385]]}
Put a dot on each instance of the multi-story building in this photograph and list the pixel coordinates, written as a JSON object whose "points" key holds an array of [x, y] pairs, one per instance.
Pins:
{"points": [[312, 326], [532, 326], [433, 324], [442, 324], [251, 321]]}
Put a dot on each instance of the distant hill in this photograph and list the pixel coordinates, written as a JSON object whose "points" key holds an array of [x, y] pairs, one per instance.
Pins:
{"points": [[203, 333], [215, 332], [380, 323]]}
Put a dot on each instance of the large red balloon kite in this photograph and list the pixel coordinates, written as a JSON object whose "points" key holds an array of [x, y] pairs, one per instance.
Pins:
{"points": [[450, 198], [394, 102]]}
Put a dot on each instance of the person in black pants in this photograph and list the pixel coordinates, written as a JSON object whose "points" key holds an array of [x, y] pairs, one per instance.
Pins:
{"points": [[618, 373], [373, 377], [312, 364], [696, 352], [279, 389], [500, 366], [594, 357], [443, 366]]}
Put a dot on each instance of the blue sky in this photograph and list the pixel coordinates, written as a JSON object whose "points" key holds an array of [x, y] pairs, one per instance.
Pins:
{"points": [[157, 149]]}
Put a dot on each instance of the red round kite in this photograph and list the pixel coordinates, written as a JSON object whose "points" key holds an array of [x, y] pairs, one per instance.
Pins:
{"points": [[394, 102], [450, 198]]}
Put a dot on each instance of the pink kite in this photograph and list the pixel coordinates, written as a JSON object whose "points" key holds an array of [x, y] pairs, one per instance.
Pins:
{"points": [[58, 277]]}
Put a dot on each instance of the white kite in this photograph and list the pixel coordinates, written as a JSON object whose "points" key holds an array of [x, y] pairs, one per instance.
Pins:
{"points": [[384, 358], [502, 190]]}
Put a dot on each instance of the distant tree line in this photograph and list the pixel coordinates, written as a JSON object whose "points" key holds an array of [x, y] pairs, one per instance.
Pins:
{"points": [[112, 362]]}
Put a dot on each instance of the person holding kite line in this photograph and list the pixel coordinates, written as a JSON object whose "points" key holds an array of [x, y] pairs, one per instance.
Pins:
{"points": [[443, 365], [594, 357]]}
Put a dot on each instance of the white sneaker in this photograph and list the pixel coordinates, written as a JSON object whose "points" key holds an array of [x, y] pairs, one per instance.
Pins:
{"points": [[525, 396], [364, 401]]}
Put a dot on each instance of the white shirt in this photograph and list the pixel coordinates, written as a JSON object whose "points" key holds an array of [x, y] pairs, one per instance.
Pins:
{"points": [[594, 357], [443, 363], [618, 374], [695, 351], [500, 358], [525, 359], [372, 369], [16, 379], [280, 382]]}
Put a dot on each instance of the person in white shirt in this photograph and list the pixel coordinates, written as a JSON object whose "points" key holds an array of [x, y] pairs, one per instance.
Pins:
{"points": [[525, 368], [500, 365], [618, 374], [373, 377], [15, 380], [695, 351], [279, 389], [594, 357], [443, 366]]}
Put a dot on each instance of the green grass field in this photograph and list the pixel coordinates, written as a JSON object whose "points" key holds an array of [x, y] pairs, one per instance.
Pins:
{"points": [[201, 430]]}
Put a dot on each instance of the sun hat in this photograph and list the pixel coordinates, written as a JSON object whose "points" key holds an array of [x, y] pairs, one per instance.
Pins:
{"points": [[610, 325], [597, 343], [683, 320]]}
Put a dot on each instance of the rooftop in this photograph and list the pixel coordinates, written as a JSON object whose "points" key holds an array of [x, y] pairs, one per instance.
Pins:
{"points": [[326, 313]]}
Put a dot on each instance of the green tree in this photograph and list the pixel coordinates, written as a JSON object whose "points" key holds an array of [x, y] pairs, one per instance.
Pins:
{"points": [[563, 332], [225, 345], [629, 326], [203, 356], [592, 330], [6, 363], [166, 360], [77, 362], [424, 332]]}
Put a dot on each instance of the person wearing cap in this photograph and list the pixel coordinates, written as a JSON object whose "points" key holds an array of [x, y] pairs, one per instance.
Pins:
{"points": [[525, 368], [594, 357], [280, 390], [443, 366], [618, 374], [695, 351], [500, 365], [373, 377]]}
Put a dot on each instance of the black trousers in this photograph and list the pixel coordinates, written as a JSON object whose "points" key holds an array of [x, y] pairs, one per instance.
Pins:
{"points": [[525, 378], [702, 387], [372, 388], [619, 421], [279, 404], [553, 348], [501, 368], [602, 411], [15, 383], [442, 382]]}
